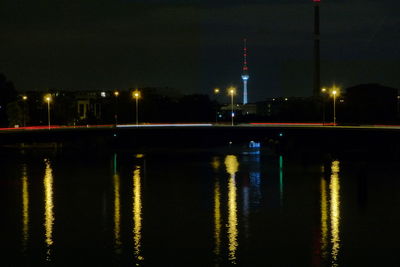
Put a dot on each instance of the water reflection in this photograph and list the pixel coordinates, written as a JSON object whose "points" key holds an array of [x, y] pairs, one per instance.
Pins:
{"points": [[137, 214], [324, 218], [335, 211], [252, 196], [246, 206], [25, 207], [232, 166], [332, 212], [251, 193], [216, 163], [217, 218], [49, 206], [117, 207], [281, 179]]}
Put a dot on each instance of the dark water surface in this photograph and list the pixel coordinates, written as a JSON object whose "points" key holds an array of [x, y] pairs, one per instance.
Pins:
{"points": [[198, 208]]}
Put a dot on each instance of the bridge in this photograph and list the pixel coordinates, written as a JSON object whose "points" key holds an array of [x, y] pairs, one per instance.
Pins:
{"points": [[283, 136]]}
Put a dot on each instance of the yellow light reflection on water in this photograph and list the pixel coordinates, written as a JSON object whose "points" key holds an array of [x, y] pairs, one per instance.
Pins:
{"points": [[215, 163], [117, 206], [335, 211], [48, 207], [324, 218], [117, 211], [25, 207], [232, 166], [217, 218], [137, 214]]}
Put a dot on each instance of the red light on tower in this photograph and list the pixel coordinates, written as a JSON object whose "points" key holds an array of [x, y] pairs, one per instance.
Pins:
{"points": [[317, 0]]}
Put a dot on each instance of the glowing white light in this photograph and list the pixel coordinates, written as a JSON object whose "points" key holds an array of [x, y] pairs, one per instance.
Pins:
{"points": [[164, 125]]}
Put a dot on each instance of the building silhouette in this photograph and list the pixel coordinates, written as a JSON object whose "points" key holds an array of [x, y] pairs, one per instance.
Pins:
{"points": [[371, 103]]}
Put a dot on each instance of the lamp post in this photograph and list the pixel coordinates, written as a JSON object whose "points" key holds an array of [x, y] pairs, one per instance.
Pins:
{"points": [[216, 93], [48, 99], [116, 94], [334, 92], [323, 90], [398, 106], [231, 92], [136, 95], [24, 98]]}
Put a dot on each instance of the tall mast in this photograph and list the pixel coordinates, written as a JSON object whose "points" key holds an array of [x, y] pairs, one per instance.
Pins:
{"points": [[317, 74]]}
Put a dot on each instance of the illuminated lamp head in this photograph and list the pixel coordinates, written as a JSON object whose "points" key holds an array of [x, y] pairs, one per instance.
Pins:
{"points": [[136, 94], [47, 98], [231, 90]]}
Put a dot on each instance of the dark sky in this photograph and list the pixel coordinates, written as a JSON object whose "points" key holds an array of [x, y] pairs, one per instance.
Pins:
{"points": [[195, 46]]}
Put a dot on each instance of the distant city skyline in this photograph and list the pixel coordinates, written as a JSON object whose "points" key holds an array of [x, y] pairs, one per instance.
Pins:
{"points": [[195, 46]]}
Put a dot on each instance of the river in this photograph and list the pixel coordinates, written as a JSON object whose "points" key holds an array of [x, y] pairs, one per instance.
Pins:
{"points": [[198, 207]]}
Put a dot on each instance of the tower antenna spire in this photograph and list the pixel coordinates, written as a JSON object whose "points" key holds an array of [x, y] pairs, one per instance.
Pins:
{"points": [[245, 75], [244, 55], [317, 68]]}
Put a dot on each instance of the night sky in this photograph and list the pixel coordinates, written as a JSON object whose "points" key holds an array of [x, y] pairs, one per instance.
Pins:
{"points": [[195, 46]]}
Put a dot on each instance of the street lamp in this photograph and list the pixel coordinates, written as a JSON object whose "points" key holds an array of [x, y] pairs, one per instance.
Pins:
{"points": [[47, 98], [136, 95], [24, 98], [334, 93], [323, 90], [231, 91], [116, 94], [216, 93]]}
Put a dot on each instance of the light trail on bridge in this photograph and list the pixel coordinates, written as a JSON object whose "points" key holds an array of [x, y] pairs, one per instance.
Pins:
{"points": [[187, 125], [165, 125]]}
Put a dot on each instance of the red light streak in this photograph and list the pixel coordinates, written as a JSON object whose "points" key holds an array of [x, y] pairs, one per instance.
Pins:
{"points": [[54, 127], [292, 123]]}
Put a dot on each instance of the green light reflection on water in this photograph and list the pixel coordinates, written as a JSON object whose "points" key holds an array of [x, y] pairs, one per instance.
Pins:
{"points": [[281, 179]]}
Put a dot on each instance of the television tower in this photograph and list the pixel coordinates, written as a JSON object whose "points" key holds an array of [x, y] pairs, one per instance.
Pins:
{"points": [[245, 75], [317, 75]]}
